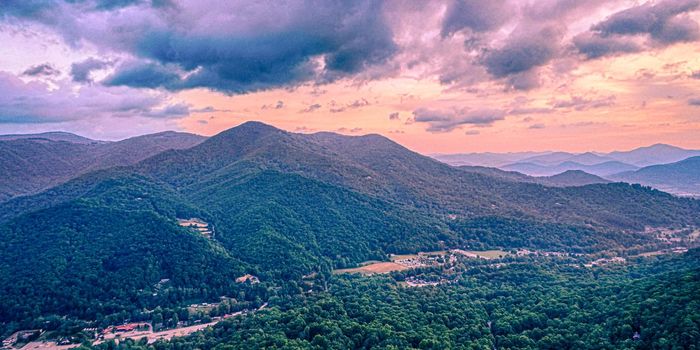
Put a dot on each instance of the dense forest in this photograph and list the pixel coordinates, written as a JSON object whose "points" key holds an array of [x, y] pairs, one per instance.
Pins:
{"points": [[542, 304]]}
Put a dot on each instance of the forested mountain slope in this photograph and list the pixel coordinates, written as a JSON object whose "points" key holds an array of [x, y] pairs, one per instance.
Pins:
{"points": [[31, 163], [285, 205], [681, 177]]}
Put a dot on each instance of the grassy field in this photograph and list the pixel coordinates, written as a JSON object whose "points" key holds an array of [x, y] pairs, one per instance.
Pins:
{"points": [[373, 266], [377, 267]]}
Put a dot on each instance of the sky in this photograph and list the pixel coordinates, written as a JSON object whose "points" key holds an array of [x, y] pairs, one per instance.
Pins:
{"points": [[436, 76]]}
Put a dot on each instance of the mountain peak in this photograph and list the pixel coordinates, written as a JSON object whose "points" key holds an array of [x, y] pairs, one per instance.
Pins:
{"points": [[51, 136]]}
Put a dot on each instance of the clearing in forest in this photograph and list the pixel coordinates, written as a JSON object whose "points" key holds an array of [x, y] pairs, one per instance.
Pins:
{"points": [[378, 267], [196, 224]]}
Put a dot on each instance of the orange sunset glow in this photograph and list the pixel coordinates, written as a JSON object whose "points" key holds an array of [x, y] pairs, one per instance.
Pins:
{"points": [[583, 82]]}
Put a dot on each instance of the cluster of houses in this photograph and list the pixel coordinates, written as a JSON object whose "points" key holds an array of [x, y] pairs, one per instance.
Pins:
{"points": [[21, 337], [420, 260], [416, 281], [606, 261]]}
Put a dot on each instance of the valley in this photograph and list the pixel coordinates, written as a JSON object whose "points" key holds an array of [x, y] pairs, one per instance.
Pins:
{"points": [[189, 239]]}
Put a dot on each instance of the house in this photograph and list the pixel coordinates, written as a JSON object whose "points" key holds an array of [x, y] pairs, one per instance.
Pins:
{"points": [[249, 278]]}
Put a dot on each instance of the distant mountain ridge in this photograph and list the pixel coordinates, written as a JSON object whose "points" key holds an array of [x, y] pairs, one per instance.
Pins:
{"points": [[639, 157], [615, 166], [51, 136], [30, 163], [564, 179], [681, 177]]}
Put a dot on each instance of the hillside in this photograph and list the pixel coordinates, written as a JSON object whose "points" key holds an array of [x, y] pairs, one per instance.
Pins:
{"points": [[286, 205], [681, 177], [108, 251], [565, 179], [599, 169], [654, 154], [50, 136], [31, 164], [574, 178]]}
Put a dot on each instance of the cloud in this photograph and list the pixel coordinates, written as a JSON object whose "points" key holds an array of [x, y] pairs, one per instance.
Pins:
{"points": [[34, 102], [144, 75], [694, 101], [278, 105], [353, 105], [394, 116], [349, 130], [529, 110], [536, 126], [580, 103], [80, 71], [472, 132], [594, 46], [661, 21], [231, 47], [208, 109], [522, 52], [447, 120], [478, 16], [663, 24], [41, 70], [311, 108]]}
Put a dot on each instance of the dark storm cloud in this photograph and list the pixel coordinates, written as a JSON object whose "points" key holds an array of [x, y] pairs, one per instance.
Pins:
{"points": [[232, 47], [41, 70], [447, 120], [661, 21], [593, 46], [522, 52], [144, 75], [25, 8], [479, 16], [80, 71], [347, 36]]}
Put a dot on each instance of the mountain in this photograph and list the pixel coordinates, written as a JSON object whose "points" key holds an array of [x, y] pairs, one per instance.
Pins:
{"points": [[110, 249], [681, 178], [565, 179], [639, 157], [487, 159], [574, 178], [654, 154], [30, 164], [284, 205], [51, 136], [600, 169]]}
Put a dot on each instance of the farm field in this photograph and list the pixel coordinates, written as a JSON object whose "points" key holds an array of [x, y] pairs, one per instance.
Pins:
{"points": [[421, 259], [372, 268]]}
